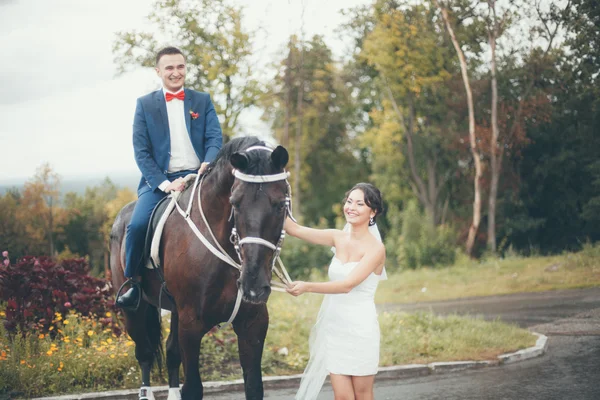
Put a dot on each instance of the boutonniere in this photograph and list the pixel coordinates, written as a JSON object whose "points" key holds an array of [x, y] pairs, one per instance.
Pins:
{"points": [[193, 114]]}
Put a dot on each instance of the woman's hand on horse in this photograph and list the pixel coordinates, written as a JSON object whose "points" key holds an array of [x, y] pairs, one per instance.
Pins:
{"points": [[296, 288]]}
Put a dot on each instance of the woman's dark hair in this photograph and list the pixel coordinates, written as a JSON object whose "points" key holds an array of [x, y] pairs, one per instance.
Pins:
{"points": [[373, 198], [168, 51]]}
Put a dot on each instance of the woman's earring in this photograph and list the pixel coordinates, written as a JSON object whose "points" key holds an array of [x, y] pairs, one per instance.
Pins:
{"points": [[371, 221]]}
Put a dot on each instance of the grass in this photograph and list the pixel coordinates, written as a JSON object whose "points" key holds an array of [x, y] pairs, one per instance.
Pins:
{"points": [[80, 356], [405, 338], [493, 277], [84, 358]]}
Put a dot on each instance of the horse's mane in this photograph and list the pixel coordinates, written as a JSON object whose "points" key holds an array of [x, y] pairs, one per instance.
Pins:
{"points": [[258, 163]]}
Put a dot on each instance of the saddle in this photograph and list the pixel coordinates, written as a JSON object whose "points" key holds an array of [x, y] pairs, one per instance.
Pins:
{"points": [[158, 218]]}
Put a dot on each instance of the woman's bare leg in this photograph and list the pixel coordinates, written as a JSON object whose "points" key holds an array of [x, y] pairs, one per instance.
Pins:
{"points": [[342, 387], [363, 387]]}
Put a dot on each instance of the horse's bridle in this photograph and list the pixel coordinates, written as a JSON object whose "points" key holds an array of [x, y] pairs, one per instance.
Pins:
{"points": [[219, 252], [235, 239]]}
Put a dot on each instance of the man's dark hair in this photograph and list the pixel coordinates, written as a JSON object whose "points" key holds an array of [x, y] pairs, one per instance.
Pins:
{"points": [[373, 197], [168, 51]]}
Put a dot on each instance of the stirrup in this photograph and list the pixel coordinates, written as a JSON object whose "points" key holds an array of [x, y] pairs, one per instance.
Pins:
{"points": [[132, 282]]}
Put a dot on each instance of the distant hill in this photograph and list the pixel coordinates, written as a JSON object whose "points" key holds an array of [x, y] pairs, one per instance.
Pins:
{"points": [[78, 185]]}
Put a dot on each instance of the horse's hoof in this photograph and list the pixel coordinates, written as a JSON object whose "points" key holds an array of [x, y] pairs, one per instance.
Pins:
{"points": [[146, 393], [174, 394]]}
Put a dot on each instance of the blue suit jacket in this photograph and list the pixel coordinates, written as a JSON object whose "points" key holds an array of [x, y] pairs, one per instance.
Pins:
{"points": [[152, 137]]}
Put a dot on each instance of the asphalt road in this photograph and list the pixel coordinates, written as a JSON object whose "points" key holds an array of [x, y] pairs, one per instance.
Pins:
{"points": [[570, 370]]}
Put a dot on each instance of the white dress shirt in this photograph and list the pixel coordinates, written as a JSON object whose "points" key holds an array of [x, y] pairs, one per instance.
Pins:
{"points": [[182, 155]]}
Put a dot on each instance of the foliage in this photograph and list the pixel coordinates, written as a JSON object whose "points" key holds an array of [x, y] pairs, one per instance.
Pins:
{"points": [[300, 258], [78, 354], [84, 356], [217, 47], [309, 79], [38, 291], [37, 214], [422, 244]]}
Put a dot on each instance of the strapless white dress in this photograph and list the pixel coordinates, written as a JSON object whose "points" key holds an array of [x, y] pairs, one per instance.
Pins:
{"points": [[345, 338]]}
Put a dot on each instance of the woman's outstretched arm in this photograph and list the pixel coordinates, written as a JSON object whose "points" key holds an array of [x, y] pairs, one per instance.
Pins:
{"points": [[326, 237], [367, 264]]}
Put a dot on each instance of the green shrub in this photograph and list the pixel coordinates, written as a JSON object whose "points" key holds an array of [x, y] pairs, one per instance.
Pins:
{"points": [[300, 257], [422, 244]]}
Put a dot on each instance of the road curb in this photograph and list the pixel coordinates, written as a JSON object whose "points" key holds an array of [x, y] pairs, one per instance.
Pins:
{"points": [[530, 352], [276, 382]]}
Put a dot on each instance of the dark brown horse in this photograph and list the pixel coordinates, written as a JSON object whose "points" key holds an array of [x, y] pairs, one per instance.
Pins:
{"points": [[204, 288]]}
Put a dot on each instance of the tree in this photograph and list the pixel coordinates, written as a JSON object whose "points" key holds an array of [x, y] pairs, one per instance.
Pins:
{"points": [[217, 47], [83, 229], [410, 58], [321, 150], [13, 230], [39, 207], [525, 98], [472, 134]]}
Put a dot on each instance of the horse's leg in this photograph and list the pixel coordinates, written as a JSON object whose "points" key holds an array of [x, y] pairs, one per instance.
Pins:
{"points": [[173, 358], [144, 329], [251, 332], [191, 331]]}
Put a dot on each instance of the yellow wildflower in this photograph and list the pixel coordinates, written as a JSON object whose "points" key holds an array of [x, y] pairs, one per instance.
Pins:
{"points": [[41, 336], [2, 314], [90, 333], [49, 352], [112, 356], [108, 314], [22, 362], [66, 322]]}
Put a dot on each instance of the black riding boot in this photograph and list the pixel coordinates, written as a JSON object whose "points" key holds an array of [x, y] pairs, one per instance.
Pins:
{"points": [[131, 299]]}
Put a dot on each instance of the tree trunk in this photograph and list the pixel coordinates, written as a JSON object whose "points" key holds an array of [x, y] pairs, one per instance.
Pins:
{"points": [[472, 139], [50, 229], [494, 157], [285, 142], [298, 141]]}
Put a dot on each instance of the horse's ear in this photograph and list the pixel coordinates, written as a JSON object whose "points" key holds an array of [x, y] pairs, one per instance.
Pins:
{"points": [[280, 157], [239, 161]]}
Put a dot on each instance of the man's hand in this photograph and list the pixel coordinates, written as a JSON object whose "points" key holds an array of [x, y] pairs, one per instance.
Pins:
{"points": [[296, 288], [203, 167], [177, 185]]}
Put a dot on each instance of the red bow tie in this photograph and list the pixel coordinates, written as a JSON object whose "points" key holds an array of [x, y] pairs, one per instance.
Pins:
{"points": [[179, 95]]}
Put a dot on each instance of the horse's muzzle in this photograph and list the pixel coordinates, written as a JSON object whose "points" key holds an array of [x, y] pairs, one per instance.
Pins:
{"points": [[255, 295]]}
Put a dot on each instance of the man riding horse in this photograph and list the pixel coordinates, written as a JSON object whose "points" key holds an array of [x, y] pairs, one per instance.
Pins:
{"points": [[176, 132]]}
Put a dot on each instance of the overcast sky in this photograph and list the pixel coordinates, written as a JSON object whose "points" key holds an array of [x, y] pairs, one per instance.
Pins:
{"points": [[60, 101]]}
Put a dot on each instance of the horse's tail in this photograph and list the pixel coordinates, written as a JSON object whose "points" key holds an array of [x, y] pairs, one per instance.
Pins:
{"points": [[153, 324]]}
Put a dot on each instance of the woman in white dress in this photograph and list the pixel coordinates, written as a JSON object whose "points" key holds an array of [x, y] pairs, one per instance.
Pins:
{"points": [[344, 342]]}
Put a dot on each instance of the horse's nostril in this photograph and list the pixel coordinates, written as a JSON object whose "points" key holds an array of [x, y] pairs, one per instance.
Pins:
{"points": [[267, 290]]}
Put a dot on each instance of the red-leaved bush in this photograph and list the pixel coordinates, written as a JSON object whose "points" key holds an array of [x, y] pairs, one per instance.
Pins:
{"points": [[35, 288]]}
